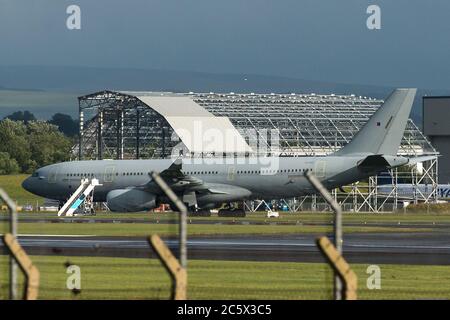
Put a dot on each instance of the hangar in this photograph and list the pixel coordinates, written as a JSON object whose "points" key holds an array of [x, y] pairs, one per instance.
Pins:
{"points": [[133, 125]]}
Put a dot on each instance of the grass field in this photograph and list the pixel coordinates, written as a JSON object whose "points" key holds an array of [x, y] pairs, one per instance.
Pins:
{"points": [[288, 217], [12, 184], [139, 229], [125, 278]]}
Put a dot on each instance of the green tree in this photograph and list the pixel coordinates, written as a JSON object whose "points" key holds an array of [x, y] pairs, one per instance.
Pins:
{"points": [[8, 165], [65, 124], [14, 141], [25, 116], [47, 144]]}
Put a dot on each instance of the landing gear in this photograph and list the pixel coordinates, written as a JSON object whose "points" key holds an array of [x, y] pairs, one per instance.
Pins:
{"points": [[199, 213], [231, 210]]}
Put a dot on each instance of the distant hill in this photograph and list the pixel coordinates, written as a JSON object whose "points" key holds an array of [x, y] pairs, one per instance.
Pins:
{"points": [[63, 84]]}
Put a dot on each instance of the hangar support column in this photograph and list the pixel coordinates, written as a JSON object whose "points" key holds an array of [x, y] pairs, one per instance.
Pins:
{"points": [[100, 135], [138, 124], [81, 130], [119, 135]]}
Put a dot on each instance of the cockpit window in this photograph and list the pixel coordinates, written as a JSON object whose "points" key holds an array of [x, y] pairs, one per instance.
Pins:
{"points": [[35, 174]]}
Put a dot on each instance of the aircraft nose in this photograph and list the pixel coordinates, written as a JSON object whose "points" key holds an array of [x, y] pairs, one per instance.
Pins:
{"points": [[27, 185]]}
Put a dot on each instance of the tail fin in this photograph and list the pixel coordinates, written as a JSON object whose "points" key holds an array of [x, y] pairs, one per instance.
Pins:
{"points": [[383, 132]]}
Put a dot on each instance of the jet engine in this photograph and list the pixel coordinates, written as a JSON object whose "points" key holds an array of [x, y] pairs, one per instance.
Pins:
{"points": [[130, 200]]}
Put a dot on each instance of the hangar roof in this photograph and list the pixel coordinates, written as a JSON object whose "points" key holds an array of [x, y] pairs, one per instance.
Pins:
{"points": [[200, 130], [308, 124]]}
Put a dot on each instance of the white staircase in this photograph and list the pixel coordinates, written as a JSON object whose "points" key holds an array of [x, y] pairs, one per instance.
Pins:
{"points": [[78, 197]]}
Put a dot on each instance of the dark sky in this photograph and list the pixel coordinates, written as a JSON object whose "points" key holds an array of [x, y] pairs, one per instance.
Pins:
{"points": [[323, 40]]}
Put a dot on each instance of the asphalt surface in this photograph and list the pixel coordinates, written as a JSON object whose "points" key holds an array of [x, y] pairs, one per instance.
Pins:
{"points": [[239, 221], [422, 248]]}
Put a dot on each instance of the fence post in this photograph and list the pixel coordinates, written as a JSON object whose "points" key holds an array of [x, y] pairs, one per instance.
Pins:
{"points": [[341, 268], [176, 271], [26, 265], [13, 230], [337, 225], [183, 215]]}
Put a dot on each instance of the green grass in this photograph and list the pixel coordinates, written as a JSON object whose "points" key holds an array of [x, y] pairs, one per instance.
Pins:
{"points": [[303, 217], [126, 278], [136, 229], [12, 184]]}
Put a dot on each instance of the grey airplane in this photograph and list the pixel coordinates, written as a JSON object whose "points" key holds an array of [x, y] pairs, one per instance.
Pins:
{"points": [[203, 184]]}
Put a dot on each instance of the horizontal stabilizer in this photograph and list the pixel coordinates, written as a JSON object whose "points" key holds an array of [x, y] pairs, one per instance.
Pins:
{"points": [[378, 161], [416, 160]]}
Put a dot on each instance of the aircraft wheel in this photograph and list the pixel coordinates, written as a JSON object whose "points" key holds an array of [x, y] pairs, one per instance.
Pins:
{"points": [[231, 213]]}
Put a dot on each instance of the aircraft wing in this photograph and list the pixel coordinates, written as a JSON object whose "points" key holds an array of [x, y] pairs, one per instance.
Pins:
{"points": [[176, 179]]}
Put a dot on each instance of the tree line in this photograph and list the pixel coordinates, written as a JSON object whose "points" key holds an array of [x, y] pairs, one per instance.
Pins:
{"points": [[27, 143]]}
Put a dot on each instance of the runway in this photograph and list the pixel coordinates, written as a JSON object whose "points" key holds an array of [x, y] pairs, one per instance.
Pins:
{"points": [[422, 248]]}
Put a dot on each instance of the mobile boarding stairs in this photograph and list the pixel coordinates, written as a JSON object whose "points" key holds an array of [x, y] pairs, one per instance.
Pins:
{"points": [[80, 199]]}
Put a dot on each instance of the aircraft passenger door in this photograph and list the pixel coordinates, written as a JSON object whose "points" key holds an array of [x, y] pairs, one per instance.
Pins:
{"points": [[320, 169], [231, 173], [109, 173]]}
